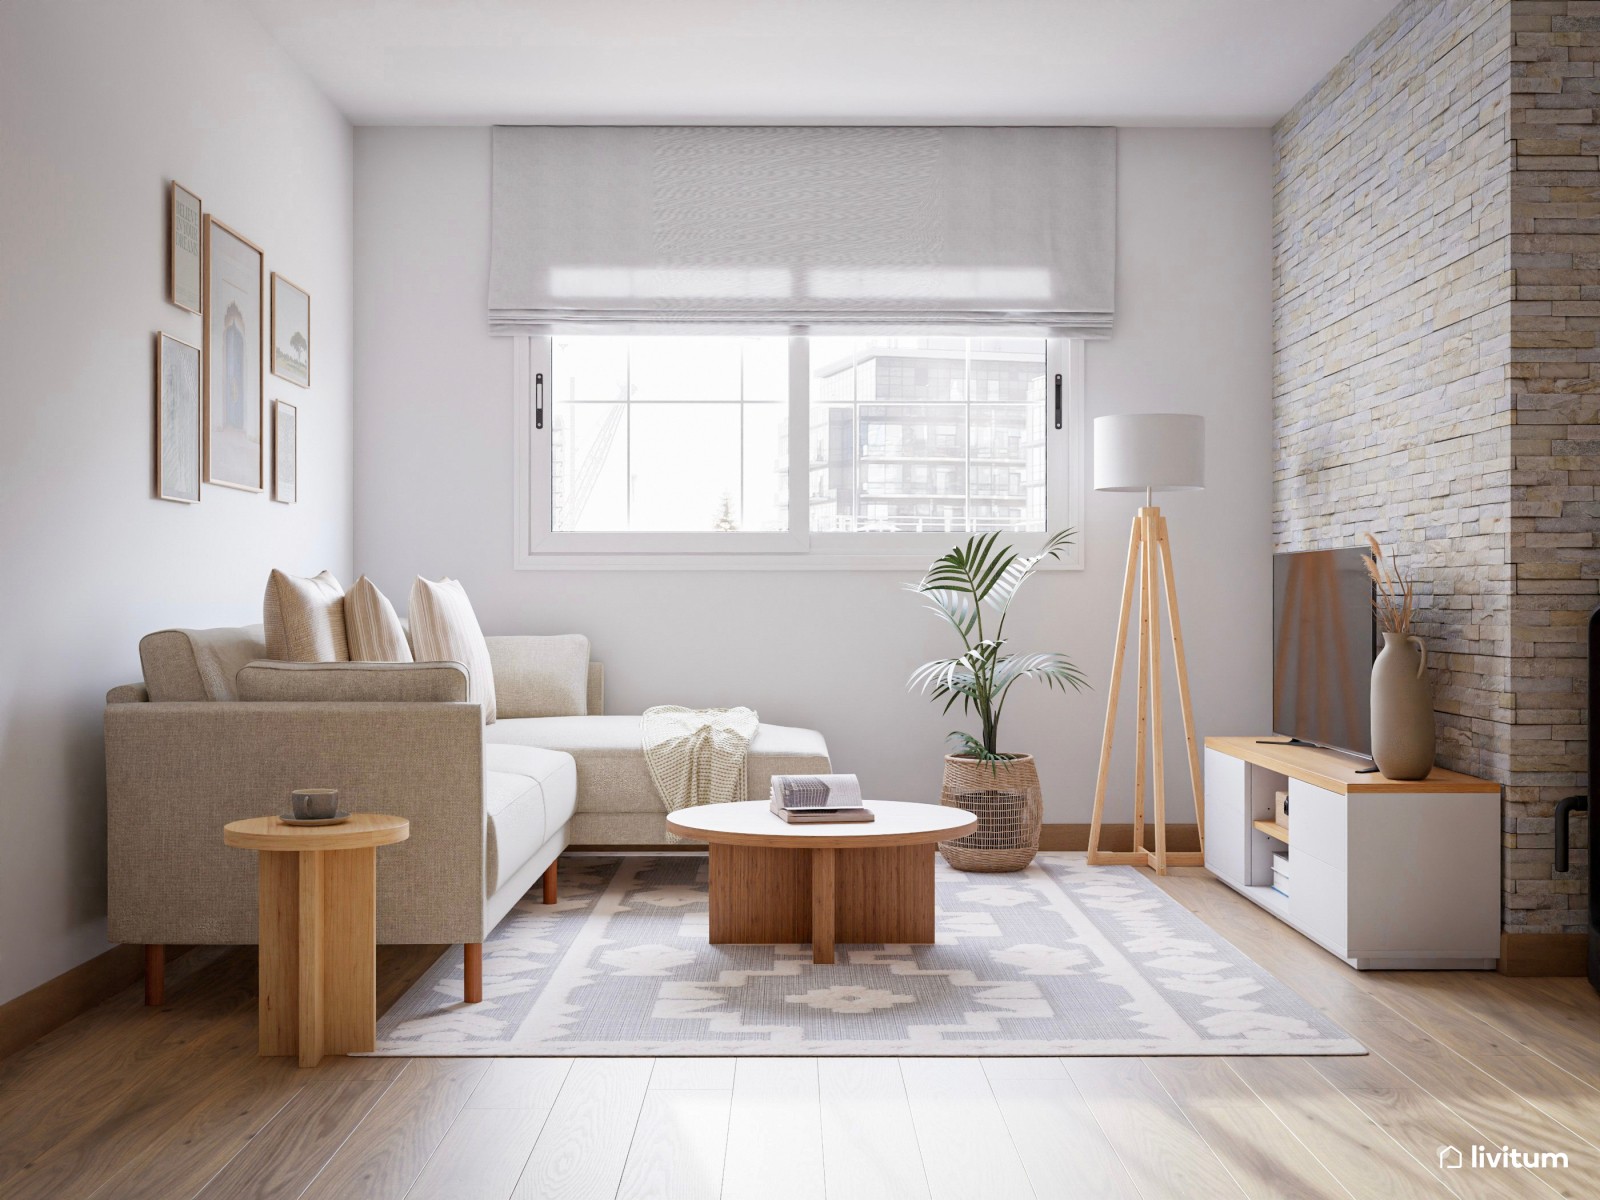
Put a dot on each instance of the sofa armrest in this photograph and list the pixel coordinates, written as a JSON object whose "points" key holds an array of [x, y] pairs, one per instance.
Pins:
{"points": [[177, 772], [389, 683]]}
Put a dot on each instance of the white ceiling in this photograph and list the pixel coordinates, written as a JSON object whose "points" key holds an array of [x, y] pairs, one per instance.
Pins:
{"points": [[1124, 62]]}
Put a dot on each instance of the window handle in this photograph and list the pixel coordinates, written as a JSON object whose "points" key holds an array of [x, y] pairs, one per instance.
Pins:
{"points": [[538, 402], [1058, 400]]}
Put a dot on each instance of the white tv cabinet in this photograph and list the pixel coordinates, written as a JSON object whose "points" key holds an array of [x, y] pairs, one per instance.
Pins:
{"points": [[1386, 874]]}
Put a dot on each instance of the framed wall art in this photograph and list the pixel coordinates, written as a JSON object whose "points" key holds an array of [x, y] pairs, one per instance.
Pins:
{"points": [[285, 452], [183, 247], [177, 420], [235, 449], [291, 332]]}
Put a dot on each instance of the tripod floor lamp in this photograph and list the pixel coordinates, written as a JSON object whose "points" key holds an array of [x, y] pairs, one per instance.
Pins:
{"points": [[1149, 452]]}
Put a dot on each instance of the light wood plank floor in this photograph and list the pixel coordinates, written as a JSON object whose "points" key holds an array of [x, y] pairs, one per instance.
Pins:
{"points": [[126, 1102]]}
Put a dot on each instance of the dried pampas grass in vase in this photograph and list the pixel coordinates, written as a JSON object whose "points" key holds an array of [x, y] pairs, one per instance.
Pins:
{"points": [[1391, 592]]}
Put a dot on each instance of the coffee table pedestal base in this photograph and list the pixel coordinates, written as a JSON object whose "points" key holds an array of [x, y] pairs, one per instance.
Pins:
{"points": [[775, 896]]}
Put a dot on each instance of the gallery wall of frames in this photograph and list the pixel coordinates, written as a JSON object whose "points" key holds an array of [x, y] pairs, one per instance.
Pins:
{"points": [[213, 421]]}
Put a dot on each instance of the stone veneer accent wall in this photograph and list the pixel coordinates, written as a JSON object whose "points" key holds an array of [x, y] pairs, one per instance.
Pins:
{"points": [[1436, 311], [1555, 439]]}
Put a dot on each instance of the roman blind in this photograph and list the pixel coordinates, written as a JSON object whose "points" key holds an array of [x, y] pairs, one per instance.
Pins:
{"points": [[737, 228]]}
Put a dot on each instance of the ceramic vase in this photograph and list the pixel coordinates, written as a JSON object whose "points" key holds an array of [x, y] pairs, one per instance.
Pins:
{"points": [[1402, 709], [1005, 797]]}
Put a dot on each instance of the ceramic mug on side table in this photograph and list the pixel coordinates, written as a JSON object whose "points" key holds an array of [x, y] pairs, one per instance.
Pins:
{"points": [[314, 804]]}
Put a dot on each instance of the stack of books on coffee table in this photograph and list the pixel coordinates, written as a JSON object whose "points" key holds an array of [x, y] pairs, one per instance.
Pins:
{"points": [[818, 799]]}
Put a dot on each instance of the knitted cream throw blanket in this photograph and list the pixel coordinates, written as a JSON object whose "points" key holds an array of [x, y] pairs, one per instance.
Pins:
{"points": [[697, 755]]}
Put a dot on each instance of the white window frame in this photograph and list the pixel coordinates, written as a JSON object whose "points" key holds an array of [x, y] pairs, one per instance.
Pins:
{"points": [[539, 548]]}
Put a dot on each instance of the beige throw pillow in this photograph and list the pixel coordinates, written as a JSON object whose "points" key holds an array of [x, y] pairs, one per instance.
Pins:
{"points": [[445, 629], [304, 619], [373, 629], [541, 676]]}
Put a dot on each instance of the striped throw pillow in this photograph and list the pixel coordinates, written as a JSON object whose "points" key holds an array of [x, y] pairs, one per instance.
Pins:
{"points": [[374, 631], [304, 618], [445, 629]]}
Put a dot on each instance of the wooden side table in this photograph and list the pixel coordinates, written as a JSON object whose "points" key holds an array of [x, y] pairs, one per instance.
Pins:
{"points": [[317, 887]]}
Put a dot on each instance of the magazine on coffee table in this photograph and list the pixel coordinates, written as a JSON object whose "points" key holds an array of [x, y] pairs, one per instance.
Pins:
{"points": [[818, 799]]}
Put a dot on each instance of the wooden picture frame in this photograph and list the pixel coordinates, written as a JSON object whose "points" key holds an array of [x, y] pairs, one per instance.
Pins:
{"points": [[290, 343], [235, 405], [285, 452], [185, 229], [178, 441]]}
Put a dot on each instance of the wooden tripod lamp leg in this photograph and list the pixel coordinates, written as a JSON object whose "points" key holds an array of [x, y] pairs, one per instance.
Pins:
{"points": [[1103, 778], [1196, 779], [1152, 650], [1142, 724]]}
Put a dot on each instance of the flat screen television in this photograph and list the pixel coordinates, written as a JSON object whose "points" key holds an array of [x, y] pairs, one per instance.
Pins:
{"points": [[1324, 638]]}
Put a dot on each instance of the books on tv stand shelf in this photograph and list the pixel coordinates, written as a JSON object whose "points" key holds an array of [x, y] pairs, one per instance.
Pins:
{"points": [[1386, 874]]}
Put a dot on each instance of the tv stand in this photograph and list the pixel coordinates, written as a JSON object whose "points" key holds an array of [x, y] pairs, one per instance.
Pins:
{"points": [[1294, 741], [1386, 874]]}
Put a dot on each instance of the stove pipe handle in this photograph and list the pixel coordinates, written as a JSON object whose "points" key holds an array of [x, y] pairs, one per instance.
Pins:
{"points": [[1564, 809]]}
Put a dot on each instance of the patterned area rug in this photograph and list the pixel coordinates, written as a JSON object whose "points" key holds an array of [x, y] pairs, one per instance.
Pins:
{"points": [[1061, 959]]}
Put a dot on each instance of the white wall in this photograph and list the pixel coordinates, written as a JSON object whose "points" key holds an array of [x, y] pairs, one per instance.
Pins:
{"points": [[101, 105], [434, 487]]}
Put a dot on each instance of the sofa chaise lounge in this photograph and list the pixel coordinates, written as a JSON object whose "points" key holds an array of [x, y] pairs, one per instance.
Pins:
{"points": [[215, 734]]}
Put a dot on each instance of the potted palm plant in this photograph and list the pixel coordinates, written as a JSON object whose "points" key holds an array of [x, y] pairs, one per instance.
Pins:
{"points": [[972, 586]]}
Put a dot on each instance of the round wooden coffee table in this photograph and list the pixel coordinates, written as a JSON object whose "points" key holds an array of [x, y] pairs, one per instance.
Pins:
{"points": [[317, 894], [774, 883]]}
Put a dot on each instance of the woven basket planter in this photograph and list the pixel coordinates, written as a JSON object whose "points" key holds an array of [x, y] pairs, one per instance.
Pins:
{"points": [[1005, 797]]}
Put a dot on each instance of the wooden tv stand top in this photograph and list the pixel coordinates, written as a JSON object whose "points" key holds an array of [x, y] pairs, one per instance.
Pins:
{"points": [[1335, 772]]}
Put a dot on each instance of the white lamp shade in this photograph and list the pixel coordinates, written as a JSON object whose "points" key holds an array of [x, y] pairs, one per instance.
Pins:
{"points": [[1161, 452]]}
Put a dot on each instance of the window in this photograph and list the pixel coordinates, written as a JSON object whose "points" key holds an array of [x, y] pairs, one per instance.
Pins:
{"points": [[655, 434], [789, 450]]}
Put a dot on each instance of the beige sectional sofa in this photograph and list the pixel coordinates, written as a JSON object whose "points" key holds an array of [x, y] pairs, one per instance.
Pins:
{"points": [[214, 734]]}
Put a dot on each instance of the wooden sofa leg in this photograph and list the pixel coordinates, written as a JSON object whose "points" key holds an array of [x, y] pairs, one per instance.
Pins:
{"points": [[155, 976], [550, 883], [472, 960]]}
